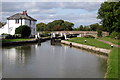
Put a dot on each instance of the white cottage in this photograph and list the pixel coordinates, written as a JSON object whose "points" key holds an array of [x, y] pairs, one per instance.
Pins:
{"points": [[17, 20]]}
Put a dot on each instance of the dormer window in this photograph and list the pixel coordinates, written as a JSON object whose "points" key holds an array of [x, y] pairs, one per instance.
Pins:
{"points": [[17, 21]]}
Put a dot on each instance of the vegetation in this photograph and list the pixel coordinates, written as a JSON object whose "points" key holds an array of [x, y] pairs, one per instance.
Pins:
{"points": [[41, 27], [92, 27], [2, 24], [114, 41], [56, 25], [90, 41], [109, 13], [115, 35], [24, 30], [112, 69], [14, 40], [99, 31]]}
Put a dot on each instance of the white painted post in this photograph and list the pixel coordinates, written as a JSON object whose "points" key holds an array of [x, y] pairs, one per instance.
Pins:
{"points": [[65, 36], [61, 34], [38, 35], [53, 34], [35, 36]]}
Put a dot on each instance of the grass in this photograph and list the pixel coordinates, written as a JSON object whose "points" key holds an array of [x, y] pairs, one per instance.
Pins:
{"points": [[113, 60], [114, 41], [15, 40], [91, 42], [113, 70]]}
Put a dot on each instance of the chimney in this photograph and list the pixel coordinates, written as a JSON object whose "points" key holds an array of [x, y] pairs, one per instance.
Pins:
{"points": [[24, 12]]}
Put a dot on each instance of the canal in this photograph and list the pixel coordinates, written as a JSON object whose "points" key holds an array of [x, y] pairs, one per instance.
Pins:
{"points": [[51, 61]]}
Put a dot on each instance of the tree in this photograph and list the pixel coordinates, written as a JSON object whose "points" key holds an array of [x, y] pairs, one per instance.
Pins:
{"points": [[99, 31], [94, 26], [59, 25], [67, 25], [109, 13], [2, 24], [24, 30], [41, 27], [81, 28]]}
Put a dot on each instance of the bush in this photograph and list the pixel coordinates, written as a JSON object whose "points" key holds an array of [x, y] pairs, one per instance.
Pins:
{"points": [[115, 35], [23, 30], [89, 36]]}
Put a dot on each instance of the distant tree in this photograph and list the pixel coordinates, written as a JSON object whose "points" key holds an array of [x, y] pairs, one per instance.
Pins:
{"points": [[99, 31], [81, 28], [2, 24], [59, 25], [67, 25], [24, 30], [94, 26], [41, 27], [87, 28]]}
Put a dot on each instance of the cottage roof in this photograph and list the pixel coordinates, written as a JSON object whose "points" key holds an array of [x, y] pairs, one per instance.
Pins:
{"points": [[21, 16]]}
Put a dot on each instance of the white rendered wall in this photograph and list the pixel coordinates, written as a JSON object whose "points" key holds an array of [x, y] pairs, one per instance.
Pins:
{"points": [[4, 29], [10, 27]]}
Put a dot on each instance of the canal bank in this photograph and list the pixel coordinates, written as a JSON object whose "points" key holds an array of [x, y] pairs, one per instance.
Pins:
{"points": [[87, 47], [18, 42]]}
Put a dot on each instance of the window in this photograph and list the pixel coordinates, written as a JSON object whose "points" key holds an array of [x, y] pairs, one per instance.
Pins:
{"points": [[17, 21], [33, 23], [30, 22]]}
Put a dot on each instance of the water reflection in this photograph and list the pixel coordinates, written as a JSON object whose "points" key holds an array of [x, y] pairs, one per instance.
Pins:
{"points": [[51, 61], [20, 54]]}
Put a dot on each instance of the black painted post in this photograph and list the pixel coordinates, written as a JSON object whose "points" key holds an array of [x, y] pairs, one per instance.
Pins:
{"points": [[70, 44]]}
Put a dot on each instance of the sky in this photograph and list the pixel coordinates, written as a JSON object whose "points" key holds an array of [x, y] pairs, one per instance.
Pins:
{"points": [[79, 13]]}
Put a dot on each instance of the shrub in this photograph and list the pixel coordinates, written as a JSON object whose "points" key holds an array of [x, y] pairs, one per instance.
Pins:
{"points": [[23, 30], [99, 33], [115, 35]]}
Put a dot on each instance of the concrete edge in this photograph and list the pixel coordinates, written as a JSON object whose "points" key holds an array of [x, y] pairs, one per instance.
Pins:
{"points": [[87, 47]]}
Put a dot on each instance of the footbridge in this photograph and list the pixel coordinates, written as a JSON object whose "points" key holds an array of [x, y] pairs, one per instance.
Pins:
{"points": [[78, 33]]}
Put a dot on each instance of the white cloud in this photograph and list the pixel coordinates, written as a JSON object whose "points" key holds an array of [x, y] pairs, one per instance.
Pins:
{"points": [[47, 11], [53, 0]]}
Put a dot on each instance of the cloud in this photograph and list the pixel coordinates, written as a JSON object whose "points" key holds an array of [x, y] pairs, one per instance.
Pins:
{"points": [[78, 12], [54, 0], [81, 19], [89, 6]]}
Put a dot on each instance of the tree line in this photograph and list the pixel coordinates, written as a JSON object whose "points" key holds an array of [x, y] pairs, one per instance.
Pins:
{"points": [[56, 25]]}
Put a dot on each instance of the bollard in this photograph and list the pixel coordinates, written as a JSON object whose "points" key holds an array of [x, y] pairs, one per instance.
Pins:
{"points": [[85, 41], [111, 46], [70, 44]]}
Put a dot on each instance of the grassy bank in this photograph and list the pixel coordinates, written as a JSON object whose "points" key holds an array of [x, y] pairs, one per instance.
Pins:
{"points": [[112, 66], [91, 42], [15, 40], [110, 40], [112, 69]]}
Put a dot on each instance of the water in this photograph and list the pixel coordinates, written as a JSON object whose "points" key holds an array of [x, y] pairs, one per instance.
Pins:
{"points": [[0, 62], [51, 61]]}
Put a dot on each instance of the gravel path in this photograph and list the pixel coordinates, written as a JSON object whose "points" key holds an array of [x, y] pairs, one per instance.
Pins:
{"points": [[109, 43]]}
